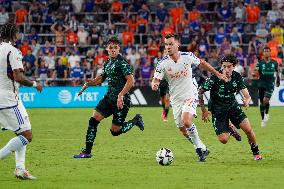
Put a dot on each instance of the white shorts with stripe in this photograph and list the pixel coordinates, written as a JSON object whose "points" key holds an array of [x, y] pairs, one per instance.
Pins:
{"points": [[189, 105], [15, 118]]}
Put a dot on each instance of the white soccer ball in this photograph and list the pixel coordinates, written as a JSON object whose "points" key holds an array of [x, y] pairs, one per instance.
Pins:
{"points": [[164, 156]]}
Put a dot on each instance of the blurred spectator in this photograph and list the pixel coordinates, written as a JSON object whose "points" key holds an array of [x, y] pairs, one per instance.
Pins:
{"points": [[60, 73], [153, 48], [252, 12], [193, 46], [21, 15], [262, 34], [132, 24], [144, 12], [236, 38], [82, 36], [42, 73], [116, 9], [127, 37], [28, 70], [98, 63], [133, 58], [89, 5], [25, 47], [50, 63], [225, 47], [32, 35], [35, 47], [277, 32], [162, 13], [35, 16], [176, 14], [224, 12], [73, 23], [156, 26], [4, 16], [168, 29], [64, 58], [72, 59], [46, 49], [241, 56], [194, 15], [77, 74], [95, 36], [60, 33], [240, 12], [77, 4], [273, 15], [203, 48], [146, 73], [88, 71], [219, 37], [30, 58]]}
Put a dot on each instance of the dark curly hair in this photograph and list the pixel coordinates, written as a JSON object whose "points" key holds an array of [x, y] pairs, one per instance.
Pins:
{"points": [[113, 40], [8, 32], [229, 58]]}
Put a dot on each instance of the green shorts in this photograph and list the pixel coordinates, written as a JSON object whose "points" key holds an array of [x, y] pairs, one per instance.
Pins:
{"points": [[163, 88], [220, 119], [106, 107], [265, 92]]}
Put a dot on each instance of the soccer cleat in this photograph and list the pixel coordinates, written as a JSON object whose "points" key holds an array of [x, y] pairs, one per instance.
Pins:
{"points": [[200, 154], [266, 117], [263, 123], [206, 153], [24, 174], [137, 120], [257, 157], [235, 133], [83, 154], [164, 117]]}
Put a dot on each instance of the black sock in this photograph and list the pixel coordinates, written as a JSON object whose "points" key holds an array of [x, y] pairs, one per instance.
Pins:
{"points": [[91, 134], [267, 108], [254, 149], [167, 111], [163, 105], [262, 108]]}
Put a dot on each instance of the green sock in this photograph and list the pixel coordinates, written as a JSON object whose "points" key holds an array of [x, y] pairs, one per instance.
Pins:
{"points": [[126, 126]]}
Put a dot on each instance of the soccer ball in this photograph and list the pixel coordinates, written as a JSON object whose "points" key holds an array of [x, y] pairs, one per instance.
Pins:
{"points": [[164, 156]]}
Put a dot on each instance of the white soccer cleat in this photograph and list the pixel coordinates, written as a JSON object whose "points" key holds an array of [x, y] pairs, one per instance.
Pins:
{"points": [[24, 174], [263, 123], [266, 117]]}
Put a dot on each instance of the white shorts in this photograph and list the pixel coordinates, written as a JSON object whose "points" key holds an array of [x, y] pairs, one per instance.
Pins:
{"points": [[188, 105], [15, 119]]}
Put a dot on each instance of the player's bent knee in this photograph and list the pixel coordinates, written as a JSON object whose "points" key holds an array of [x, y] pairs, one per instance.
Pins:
{"points": [[115, 133], [28, 135]]}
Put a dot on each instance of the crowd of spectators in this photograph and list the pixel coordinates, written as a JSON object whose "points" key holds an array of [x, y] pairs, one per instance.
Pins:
{"points": [[63, 41]]}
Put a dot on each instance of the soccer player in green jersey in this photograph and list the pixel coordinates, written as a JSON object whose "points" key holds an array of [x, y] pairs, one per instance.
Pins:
{"points": [[224, 106], [266, 69], [116, 102]]}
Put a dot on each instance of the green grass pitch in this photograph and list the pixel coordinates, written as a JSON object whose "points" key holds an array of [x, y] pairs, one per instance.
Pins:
{"points": [[128, 161]]}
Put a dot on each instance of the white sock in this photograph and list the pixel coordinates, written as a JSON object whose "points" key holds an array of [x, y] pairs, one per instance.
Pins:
{"points": [[194, 137], [20, 157], [15, 144]]}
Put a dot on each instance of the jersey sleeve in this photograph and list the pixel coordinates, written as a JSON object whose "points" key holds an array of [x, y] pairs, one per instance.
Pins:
{"points": [[15, 59], [207, 85], [160, 70], [126, 68], [194, 59], [241, 82]]}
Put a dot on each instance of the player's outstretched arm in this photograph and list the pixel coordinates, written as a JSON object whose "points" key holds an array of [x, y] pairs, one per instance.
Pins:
{"points": [[246, 98], [19, 76], [206, 66], [205, 112], [98, 80], [128, 85], [155, 84]]}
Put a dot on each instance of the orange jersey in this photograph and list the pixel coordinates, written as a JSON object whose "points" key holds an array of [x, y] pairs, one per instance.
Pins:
{"points": [[116, 6], [20, 15], [193, 15], [176, 14], [72, 38], [127, 37], [252, 13]]}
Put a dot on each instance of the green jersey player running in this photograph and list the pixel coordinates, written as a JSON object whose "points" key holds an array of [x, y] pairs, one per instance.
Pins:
{"points": [[224, 106], [116, 102], [266, 69]]}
